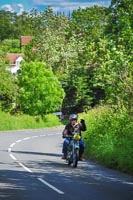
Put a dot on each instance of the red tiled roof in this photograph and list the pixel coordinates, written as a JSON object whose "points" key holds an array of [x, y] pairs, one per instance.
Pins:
{"points": [[25, 40], [13, 56]]}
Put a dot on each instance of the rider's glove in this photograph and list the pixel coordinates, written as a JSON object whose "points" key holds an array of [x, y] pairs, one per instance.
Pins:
{"points": [[82, 121]]}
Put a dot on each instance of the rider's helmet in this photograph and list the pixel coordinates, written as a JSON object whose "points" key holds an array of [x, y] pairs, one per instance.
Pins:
{"points": [[73, 116]]}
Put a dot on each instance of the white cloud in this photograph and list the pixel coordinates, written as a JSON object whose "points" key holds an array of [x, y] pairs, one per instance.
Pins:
{"points": [[7, 7], [21, 8], [18, 8], [75, 5], [70, 3], [58, 5]]}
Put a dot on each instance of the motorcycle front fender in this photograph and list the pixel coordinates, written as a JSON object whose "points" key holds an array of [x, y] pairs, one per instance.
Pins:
{"points": [[76, 146]]}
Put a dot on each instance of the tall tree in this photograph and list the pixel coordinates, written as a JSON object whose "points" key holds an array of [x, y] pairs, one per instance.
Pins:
{"points": [[8, 86], [113, 72], [40, 90], [89, 23], [6, 24], [120, 23], [78, 94], [49, 44]]}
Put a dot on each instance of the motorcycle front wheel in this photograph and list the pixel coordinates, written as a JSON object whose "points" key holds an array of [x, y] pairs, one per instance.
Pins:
{"points": [[69, 158], [75, 158]]}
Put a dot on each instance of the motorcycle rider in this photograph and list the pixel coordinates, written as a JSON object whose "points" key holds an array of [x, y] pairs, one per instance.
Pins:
{"points": [[73, 126]]}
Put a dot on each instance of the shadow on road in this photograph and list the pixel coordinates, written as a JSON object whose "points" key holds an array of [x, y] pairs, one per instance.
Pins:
{"points": [[13, 183], [19, 185], [38, 153]]}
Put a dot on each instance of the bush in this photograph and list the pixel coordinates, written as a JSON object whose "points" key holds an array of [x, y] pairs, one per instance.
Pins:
{"points": [[109, 137]]}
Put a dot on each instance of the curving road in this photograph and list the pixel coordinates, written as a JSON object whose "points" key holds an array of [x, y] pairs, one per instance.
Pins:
{"points": [[31, 169]]}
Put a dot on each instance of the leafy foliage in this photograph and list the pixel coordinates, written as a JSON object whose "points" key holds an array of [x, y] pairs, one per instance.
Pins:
{"points": [[98, 38], [10, 46], [8, 90], [114, 72], [40, 90], [109, 137], [78, 96]]}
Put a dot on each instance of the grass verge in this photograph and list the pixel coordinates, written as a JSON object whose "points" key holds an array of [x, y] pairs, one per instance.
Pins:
{"points": [[11, 122]]}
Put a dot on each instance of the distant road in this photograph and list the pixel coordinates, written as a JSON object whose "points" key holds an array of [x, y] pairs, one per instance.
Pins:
{"points": [[31, 168]]}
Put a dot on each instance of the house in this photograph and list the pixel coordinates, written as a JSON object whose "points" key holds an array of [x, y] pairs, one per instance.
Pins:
{"points": [[25, 40], [16, 58], [14, 61]]}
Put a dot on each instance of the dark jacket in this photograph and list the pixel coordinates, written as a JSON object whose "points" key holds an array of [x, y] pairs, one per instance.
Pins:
{"points": [[78, 127]]}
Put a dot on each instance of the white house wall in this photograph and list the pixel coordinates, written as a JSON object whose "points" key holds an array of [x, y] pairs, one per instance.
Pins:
{"points": [[16, 67]]}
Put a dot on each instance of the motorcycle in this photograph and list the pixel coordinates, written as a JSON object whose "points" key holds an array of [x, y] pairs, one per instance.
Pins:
{"points": [[72, 156]]}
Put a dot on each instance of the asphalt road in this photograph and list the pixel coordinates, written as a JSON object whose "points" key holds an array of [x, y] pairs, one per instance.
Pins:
{"points": [[31, 168]]}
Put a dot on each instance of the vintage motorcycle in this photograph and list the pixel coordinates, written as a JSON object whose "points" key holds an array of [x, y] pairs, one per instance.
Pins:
{"points": [[72, 156]]}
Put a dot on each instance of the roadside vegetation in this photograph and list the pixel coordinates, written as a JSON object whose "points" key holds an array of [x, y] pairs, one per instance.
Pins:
{"points": [[82, 63], [17, 122], [109, 137]]}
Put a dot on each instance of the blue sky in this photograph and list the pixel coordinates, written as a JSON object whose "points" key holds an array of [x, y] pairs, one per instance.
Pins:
{"points": [[57, 5]]}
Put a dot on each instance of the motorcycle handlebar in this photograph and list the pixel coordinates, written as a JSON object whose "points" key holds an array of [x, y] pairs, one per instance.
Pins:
{"points": [[69, 136]]}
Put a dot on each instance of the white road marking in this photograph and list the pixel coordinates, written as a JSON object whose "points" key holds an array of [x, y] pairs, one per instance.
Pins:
{"points": [[27, 138], [12, 156], [26, 168], [35, 136], [18, 141], [129, 183], [42, 135], [51, 186], [9, 150], [12, 144]]}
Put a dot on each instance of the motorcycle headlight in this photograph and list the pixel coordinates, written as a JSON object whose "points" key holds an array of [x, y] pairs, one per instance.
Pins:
{"points": [[76, 137]]}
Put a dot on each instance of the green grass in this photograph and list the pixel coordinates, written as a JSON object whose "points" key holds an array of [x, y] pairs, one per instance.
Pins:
{"points": [[12, 122]]}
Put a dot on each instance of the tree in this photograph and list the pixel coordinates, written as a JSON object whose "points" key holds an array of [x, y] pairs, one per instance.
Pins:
{"points": [[113, 72], [120, 23], [8, 86], [14, 26], [89, 23], [6, 19], [119, 31], [49, 44], [63, 53], [78, 94], [40, 90], [10, 45]]}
